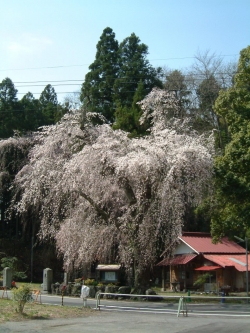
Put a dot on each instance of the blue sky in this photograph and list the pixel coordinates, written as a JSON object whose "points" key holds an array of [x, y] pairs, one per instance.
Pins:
{"points": [[55, 40]]}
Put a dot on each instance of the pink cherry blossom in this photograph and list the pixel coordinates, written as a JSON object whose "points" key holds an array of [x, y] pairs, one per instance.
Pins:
{"points": [[104, 196]]}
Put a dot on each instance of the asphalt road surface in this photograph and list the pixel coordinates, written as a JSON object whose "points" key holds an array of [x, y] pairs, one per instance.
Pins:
{"points": [[115, 322], [141, 317], [214, 309]]}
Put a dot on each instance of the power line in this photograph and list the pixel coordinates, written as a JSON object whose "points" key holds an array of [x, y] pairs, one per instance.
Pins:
{"points": [[81, 65], [49, 81], [193, 79], [123, 91], [27, 109], [180, 58], [82, 80], [49, 67], [185, 76], [63, 82], [60, 92], [54, 85]]}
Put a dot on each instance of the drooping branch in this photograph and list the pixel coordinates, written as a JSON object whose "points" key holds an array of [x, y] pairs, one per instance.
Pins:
{"points": [[128, 190], [100, 211], [122, 181]]}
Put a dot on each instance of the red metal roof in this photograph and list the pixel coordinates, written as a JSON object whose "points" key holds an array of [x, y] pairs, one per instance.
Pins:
{"points": [[238, 261], [202, 243], [207, 268], [181, 259]]}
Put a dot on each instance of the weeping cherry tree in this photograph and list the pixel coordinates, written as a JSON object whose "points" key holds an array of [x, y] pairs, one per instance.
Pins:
{"points": [[105, 197]]}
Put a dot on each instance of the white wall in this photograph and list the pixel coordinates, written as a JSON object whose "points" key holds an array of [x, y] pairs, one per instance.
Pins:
{"points": [[182, 248]]}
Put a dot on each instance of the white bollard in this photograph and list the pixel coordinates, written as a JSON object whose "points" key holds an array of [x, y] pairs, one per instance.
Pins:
{"points": [[84, 294]]}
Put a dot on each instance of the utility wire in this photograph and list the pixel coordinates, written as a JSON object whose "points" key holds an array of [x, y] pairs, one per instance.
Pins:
{"points": [[81, 65], [49, 81], [124, 91], [187, 78], [136, 77], [27, 109]]}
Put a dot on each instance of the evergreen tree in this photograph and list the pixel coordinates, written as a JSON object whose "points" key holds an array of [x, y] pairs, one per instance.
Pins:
{"points": [[31, 113], [8, 108], [127, 118], [232, 207], [48, 104], [133, 68], [114, 76], [97, 90]]}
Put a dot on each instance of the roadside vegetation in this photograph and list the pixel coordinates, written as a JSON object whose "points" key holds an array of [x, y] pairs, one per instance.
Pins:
{"points": [[34, 311]]}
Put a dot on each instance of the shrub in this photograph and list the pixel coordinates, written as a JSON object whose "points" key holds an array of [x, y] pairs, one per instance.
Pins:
{"points": [[14, 264], [22, 295], [90, 282], [202, 279]]}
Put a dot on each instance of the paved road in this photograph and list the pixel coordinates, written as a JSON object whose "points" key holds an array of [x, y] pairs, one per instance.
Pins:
{"points": [[215, 309], [140, 317], [115, 322]]}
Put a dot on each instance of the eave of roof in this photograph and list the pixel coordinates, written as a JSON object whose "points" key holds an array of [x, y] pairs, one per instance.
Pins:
{"points": [[229, 260], [207, 268], [181, 259]]}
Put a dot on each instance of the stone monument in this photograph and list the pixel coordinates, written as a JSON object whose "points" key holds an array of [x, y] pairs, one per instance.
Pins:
{"points": [[7, 277], [47, 279]]}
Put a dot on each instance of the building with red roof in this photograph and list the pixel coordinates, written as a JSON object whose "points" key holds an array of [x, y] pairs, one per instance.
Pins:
{"points": [[196, 254]]}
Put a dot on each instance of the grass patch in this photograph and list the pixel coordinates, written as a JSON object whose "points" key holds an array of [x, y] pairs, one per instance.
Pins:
{"points": [[34, 311]]}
